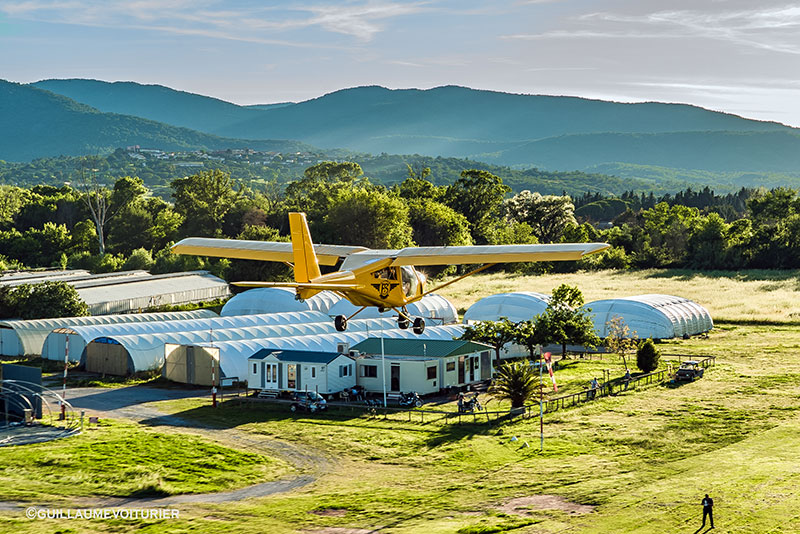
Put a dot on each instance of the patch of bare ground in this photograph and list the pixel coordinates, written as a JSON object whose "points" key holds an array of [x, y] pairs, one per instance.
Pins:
{"points": [[522, 505], [330, 512]]}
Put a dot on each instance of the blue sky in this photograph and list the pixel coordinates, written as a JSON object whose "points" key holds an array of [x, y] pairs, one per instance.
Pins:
{"points": [[738, 56]]}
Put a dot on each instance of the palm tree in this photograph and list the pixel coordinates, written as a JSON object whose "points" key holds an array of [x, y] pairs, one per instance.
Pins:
{"points": [[517, 382]]}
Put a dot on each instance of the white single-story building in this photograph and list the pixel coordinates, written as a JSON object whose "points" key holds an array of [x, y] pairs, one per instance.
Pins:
{"points": [[294, 370], [424, 366]]}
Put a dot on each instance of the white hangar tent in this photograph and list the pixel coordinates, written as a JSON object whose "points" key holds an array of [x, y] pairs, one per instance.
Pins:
{"points": [[106, 296], [276, 300], [79, 337], [18, 337], [652, 316], [519, 306], [191, 364], [435, 309], [127, 354]]}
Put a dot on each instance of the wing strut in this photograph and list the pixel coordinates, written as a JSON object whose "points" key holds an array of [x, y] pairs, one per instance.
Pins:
{"points": [[453, 281]]}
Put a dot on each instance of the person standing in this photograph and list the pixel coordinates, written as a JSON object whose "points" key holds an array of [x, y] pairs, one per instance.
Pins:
{"points": [[708, 510]]}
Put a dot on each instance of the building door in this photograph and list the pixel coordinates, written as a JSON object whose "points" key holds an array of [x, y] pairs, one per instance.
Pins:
{"points": [[395, 381], [486, 365], [291, 376], [473, 363], [190, 365], [269, 375], [461, 370]]}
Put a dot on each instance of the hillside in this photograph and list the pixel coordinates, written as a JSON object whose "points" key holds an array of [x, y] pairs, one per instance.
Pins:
{"points": [[39, 123], [523, 131], [154, 102]]}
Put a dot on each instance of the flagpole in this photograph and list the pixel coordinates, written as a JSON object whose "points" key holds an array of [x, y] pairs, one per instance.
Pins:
{"points": [[541, 406]]}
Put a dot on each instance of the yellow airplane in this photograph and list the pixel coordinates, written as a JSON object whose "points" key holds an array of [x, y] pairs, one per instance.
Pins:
{"points": [[382, 278]]}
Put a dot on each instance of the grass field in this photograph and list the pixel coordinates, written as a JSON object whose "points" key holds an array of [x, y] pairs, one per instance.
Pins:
{"points": [[638, 462], [755, 296]]}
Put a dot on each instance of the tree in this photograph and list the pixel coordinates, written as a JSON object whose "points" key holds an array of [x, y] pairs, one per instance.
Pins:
{"points": [[517, 382], [621, 339], [258, 270], [41, 301], [368, 218], [565, 320], [103, 204], [203, 199], [478, 195], [647, 356], [549, 216], [435, 224], [494, 333], [525, 334]]}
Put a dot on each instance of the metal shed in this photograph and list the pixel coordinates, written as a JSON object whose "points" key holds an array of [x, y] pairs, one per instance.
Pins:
{"points": [[19, 338], [127, 295]]}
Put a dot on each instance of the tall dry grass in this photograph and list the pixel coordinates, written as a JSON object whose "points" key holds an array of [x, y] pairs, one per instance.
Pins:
{"points": [[768, 296]]}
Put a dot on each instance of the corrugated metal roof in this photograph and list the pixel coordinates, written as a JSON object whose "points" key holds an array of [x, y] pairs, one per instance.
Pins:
{"points": [[297, 356], [434, 348]]}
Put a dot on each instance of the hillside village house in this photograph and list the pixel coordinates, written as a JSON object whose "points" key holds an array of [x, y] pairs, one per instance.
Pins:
{"points": [[424, 366], [293, 370]]}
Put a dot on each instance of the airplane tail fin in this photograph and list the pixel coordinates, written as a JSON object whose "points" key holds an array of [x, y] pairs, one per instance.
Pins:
{"points": [[306, 267]]}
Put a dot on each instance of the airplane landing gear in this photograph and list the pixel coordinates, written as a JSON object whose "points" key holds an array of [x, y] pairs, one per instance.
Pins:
{"points": [[340, 322], [419, 325], [403, 322]]}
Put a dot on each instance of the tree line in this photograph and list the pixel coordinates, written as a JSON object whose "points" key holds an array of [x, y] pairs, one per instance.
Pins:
{"points": [[103, 228]]}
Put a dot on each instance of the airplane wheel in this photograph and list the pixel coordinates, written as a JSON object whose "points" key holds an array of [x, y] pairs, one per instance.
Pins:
{"points": [[340, 322], [403, 322], [419, 325]]}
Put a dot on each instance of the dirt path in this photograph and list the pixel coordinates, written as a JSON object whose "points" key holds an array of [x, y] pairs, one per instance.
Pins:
{"points": [[128, 403]]}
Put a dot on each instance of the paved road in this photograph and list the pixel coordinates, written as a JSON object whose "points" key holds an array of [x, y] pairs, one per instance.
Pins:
{"points": [[128, 403]]}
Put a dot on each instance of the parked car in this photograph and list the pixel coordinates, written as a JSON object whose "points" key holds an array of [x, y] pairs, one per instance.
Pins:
{"points": [[309, 401], [688, 371]]}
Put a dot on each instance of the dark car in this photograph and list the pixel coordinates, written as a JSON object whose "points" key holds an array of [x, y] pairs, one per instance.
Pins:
{"points": [[309, 401], [688, 371]]}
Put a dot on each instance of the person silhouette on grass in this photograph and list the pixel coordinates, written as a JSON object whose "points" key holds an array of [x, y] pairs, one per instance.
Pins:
{"points": [[708, 510]]}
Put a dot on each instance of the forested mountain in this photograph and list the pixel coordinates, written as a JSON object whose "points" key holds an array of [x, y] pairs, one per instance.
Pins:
{"points": [[154, 102], [547, 132], [39, 123]]}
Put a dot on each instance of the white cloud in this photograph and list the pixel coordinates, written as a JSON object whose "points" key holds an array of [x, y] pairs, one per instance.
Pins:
{"points": [[216, 19]]}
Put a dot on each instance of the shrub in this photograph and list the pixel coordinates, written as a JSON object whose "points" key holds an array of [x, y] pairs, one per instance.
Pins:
{"points": [[647, 356], [140, 259]]}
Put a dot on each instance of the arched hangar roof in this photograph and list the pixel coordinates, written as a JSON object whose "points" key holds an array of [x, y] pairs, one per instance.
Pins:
{"points": [[518, 306], [652, 316], [276, 300]]}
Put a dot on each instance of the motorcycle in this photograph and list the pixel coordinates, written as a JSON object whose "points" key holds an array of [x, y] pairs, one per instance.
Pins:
{"points": [[469, 405], [410, 399]]}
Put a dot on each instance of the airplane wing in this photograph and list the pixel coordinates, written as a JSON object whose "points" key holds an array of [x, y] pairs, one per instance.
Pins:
{"points": [[331, 286], [495, 253], [258, 250]]}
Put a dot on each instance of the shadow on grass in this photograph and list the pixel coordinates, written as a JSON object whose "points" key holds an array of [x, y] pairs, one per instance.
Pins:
{"points": [[752, 275], [234, 413]]}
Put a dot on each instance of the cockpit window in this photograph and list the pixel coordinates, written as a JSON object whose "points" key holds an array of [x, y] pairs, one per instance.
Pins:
{"points": [[386, 274], [410, 281]]}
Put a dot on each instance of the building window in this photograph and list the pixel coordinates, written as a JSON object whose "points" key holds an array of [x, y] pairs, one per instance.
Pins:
{"points": [[369, 371], [432, 373], [255, 368], [344, 370], [313, 371], [451, 366]]}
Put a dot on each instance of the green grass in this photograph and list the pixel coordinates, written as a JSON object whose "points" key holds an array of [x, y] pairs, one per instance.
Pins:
{"points": [[643, 458], [125, 460]]}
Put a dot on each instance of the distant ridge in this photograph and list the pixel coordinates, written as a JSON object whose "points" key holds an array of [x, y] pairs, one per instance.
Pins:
{"points": [[548, 132], [39, 123]]}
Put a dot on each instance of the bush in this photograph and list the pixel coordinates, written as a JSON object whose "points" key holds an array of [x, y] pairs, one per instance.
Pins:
{"points": [[140, 259], [647, 356]]}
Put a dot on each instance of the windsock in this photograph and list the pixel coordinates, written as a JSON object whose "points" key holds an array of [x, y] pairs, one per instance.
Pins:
{"points": [[548, 360]]}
